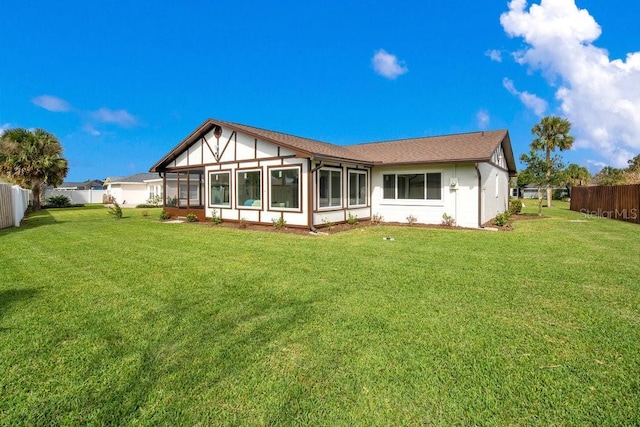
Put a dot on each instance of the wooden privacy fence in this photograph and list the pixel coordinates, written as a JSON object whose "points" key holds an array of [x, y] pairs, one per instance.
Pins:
{"points": [[13, 204], [621, 202]]}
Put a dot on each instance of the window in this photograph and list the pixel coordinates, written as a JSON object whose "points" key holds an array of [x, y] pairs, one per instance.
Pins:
{"points": [[249, 189], [330, 188], [219, 184], [357, 188], [285, 188], [421, 186]]}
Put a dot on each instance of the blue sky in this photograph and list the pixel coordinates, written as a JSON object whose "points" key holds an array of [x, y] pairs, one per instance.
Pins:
{"points": [[121, 83]]}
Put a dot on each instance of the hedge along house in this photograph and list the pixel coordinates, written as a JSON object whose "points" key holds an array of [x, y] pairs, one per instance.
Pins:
{"points": [[242, 173]]}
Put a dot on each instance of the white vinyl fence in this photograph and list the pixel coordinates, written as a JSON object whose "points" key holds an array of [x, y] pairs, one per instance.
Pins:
{"points": [[77, 197], [14, 202]]}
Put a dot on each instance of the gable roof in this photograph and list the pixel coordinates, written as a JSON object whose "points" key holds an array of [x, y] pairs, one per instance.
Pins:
{"points": [[136, 178], [468, 147]]}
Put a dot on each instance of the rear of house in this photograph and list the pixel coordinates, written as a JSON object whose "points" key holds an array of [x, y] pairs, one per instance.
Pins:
{"points": [[242, 173]]}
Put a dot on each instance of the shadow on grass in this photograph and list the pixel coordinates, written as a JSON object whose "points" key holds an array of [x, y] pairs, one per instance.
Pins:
{"points": [[12, 296], [32, 220]]}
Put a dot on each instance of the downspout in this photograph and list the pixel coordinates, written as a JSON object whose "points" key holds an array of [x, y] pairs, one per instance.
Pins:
{"points": [[479, 195], [310, 194]]}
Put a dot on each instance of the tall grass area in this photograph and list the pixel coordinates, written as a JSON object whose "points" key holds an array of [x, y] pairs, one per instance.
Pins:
{"points": [[138, 322]]}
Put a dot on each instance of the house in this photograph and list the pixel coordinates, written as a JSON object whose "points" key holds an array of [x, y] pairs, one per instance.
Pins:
{"points": [[135, 189], [243, 173], [530, 191]]}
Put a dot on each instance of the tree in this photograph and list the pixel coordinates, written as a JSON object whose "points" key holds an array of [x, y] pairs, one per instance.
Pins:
{"points": [[541, 172], [632, 173], [32, 159], [551, 133], [609, 176], [575, 175]]}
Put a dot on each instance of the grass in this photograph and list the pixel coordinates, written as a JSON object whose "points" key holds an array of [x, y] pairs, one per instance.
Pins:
{"points": [[137, 322]]}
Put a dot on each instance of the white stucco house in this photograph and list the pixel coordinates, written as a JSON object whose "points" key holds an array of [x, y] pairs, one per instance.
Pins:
{"points": [[133, 190], [240, 172]]}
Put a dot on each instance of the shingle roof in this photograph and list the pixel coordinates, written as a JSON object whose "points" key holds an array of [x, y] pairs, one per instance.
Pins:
{"points": [[139, 177], [467, 147]]}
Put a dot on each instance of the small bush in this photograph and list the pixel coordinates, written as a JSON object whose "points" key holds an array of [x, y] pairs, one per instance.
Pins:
{"points": [[59, 201], [352, 219], [215, 218], [502, 219], [164, 215], [515, 206], [191, 217], [377, 219], [448, 220], [243, 223], [279, 223], [116, 210], [145, 213], [412, 219], [327, 223]]}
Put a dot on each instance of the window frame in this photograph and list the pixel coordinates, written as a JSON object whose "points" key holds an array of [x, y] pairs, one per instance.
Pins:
{"points": [[230, 187], [330, 189], [424, 198], [260, 190], [362, 174], [272, 169]]}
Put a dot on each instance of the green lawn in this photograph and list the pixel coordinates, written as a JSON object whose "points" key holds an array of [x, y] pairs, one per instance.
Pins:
{"points": [[137, 322]]}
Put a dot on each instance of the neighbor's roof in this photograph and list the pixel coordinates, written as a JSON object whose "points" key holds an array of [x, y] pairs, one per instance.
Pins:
{"points": [[468, 147], [136, 178]]}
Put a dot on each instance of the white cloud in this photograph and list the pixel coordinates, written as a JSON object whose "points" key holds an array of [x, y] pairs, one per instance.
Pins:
{"points": [[118, 117], [90, 130], [51, 103], [494, 54], [387, 65], [531, 101], [3, 127], [483, 119], [599, 96]]}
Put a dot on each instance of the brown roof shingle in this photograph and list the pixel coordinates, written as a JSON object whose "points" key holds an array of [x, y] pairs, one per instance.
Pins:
{"points": [[467, 147]]}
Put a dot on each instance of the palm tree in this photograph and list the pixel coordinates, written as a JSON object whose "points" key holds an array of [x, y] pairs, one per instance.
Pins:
{"points": [[552, 132], [575, 175], [32, 159]]}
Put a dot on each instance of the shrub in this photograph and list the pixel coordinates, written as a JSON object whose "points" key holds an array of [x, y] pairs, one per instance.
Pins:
{"points": [[352, 219], [515, 206], [191, 217], [145, 213], [279, 223], [502, 219], [377, 219], [215, 218], [59, 201], [448, 220], [116, 210], [243, 223], [327, 223], [412, 219], [164, 215]]}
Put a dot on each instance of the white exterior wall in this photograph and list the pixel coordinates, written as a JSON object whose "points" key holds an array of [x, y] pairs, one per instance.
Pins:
{"points": [[495, 191], [129, 194], [239, 152], [339, 214], [459, 202]]}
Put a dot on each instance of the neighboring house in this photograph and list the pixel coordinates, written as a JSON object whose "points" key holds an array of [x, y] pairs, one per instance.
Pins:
{"points": [[135, 189], [239, 172], [90, 184], [530, 191]]}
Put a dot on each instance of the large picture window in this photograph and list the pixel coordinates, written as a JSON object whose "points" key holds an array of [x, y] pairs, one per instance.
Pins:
{"points": [[284, 188], [330, 188], [358, 188], [249, 188], [417, 186], [219, 189]]}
